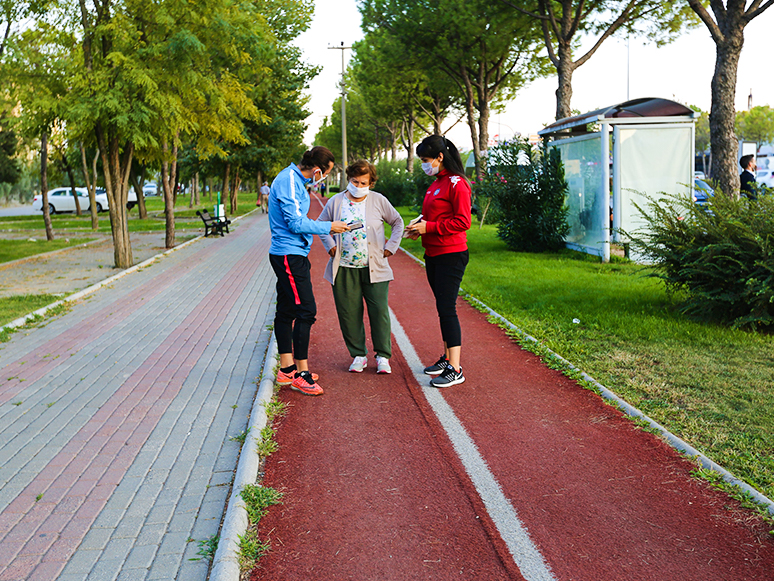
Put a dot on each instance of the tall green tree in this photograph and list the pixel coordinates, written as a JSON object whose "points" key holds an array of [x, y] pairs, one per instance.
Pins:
{"points": [[398, 93], [726, 22], [563, 22], [702, 138], [756, 125], [362, 130], [38, 65], [482, 46], [9, 166]]}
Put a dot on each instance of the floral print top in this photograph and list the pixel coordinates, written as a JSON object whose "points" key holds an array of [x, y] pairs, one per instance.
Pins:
{"points": [[354, 246]]}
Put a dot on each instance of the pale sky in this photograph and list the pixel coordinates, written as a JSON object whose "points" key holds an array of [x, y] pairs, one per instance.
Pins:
{"points": [[681, 71]]}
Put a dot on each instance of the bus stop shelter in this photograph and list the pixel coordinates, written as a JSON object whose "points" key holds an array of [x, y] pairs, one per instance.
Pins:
{"points": [[615, 156]]}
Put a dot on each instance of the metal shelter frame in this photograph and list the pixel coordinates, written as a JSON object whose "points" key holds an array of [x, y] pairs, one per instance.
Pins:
{"points": [[629, 117]]}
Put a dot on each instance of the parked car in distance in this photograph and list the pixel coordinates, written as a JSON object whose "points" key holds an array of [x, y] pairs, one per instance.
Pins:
{"points": [[61, 200], [702, 192], [150, 189], [102, 199], [699, 174], [765, 177]]}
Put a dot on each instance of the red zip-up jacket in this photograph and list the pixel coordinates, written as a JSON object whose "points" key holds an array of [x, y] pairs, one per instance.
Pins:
{"points": [[446, 209]]}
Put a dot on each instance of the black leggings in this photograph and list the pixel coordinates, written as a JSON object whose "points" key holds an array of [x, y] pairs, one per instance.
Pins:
{"points": [[444, 273], [295, 303]]}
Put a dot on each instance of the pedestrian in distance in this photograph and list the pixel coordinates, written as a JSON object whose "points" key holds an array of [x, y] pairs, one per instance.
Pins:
{"points": [[358, 269], [291, 240], [443, 227], [747, 178], [263, 197]]}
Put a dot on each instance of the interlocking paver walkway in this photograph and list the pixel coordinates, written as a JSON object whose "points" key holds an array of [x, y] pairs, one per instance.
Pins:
{"points": [[115, 418]]}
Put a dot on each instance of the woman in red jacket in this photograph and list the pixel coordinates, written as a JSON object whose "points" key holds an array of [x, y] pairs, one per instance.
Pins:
{"points": [[445, 221]]}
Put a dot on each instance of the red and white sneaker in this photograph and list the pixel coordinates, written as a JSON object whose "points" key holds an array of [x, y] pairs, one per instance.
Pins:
{"points": [[306, 384], [358, 364], [287, 378], [383, 365]]}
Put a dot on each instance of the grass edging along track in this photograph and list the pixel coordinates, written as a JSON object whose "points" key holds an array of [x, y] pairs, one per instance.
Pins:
{"points": [[573, 372], [225, 565]]}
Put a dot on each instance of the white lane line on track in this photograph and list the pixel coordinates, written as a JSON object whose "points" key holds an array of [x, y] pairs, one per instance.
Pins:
{"points": [[524, 552]]}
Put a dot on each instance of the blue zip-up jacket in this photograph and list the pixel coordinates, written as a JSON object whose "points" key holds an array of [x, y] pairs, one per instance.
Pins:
{"points": [[291, 229]]}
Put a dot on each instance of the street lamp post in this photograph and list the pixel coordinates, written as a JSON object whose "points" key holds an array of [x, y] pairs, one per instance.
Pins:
{"points": [[342, 48]]}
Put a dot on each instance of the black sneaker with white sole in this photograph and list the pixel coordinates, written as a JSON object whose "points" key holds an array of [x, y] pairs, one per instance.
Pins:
{"points": [[448, 377], [437, 367]]}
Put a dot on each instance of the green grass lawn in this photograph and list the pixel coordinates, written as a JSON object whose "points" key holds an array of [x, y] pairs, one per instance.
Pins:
{"points": [[710, 385], [16, 249], [11, 308]]}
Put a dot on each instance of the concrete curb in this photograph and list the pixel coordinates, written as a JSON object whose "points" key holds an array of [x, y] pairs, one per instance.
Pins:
{"points": [[630, 410], [225, 565]]}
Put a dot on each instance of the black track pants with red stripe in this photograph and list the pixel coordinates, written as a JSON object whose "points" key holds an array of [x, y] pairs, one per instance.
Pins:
{"points": [[296, 309]]}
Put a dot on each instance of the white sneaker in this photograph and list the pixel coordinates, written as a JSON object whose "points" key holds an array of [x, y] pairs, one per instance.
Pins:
{"points": [[359, 364], [383, 365]]}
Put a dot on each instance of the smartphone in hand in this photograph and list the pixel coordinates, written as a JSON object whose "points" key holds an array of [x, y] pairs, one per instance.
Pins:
{"points": [[410, 224], [355, 225]]}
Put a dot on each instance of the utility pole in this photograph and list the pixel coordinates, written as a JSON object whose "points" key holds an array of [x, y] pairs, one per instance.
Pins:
{"points": [[343, 184]]}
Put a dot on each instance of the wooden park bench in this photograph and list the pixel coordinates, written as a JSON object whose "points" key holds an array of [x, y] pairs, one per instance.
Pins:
{"points": [[213, 225]]}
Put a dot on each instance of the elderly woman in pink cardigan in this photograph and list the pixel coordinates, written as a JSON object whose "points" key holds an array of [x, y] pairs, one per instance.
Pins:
{"points": [[358, 268]]}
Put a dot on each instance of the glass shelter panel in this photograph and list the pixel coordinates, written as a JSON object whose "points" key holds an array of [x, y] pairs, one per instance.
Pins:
{"points": [[653, 160], [583, 171]]}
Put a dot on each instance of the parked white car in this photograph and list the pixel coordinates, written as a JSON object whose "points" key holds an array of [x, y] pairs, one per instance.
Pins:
{"points": [[765, 177], [61, 200], [150, 189]]}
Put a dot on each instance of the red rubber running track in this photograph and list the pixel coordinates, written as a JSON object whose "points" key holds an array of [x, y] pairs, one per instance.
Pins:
{"points": [[539, 479]]}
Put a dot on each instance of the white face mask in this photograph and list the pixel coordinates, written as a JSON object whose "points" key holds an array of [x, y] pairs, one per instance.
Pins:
{"points": [[322, 177], [430, 169], [355, 191]]}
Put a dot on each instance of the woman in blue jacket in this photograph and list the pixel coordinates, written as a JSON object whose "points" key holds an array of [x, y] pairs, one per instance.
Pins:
{"points": [[291, 240]]}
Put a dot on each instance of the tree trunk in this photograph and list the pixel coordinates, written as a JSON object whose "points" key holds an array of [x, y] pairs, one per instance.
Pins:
{"points": [[724, 145], [116, 169], [44, 183], [233, 193], [484, 96], [410, 146], [167, 184], [564, 71], [225, 187], [470, 109], [138, 183], [91, 186], [71, 178], [210, 186]]}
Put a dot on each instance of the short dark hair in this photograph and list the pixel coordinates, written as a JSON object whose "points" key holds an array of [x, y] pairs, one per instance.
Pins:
{"points": [[433, 145], [319, 156], [745, 160], [360, 168]]}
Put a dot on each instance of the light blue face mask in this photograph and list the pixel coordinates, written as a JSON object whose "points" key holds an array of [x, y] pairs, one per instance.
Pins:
{"points": [[355, 191], [430, 169]]}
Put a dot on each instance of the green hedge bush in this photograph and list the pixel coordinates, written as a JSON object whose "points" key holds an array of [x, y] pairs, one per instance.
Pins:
{"points": [[528, 190], [721, 255], [398, 185]]}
